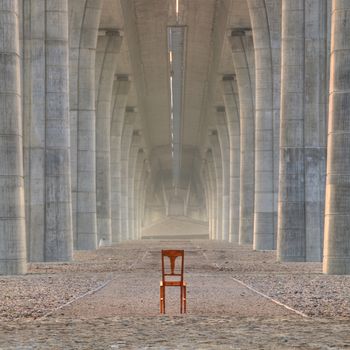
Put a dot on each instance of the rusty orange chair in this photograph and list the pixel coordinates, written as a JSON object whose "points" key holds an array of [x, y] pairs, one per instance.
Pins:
{"points": [[171, 273]]}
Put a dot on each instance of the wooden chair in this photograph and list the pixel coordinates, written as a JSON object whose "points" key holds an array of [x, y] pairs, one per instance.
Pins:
{"points": [[173, 255]]}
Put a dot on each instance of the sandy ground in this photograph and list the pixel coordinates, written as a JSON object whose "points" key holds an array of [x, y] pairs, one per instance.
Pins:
{"points": [[222, 313]]}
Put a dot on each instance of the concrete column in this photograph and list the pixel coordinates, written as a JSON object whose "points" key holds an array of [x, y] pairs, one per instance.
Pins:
{"points": [[124, 163], [315, 125], [208, 198], [139, 173], [144, 186], [48, 185], [216, 155], [84, 23], [120, 92], [225, 161], [108, 47], [12, 212], [337, 212], [241, 47], [233, 126], [303, 112], [265, 20], [291, 211], [132, 161], [212, 179], [58, 206]]}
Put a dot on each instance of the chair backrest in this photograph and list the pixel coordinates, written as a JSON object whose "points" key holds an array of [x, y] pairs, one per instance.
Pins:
{"points": [[173, 255]]}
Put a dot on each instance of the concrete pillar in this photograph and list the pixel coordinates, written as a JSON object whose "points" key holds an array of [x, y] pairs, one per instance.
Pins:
{"points": [[48, 188], [241, 52], [337, 212], [207, 189], [212, 179], [58, 206], [83, 29], [120, 95], [225, 161], [233, 126], [12, 212], [302, 149], [144, 187], [108, 47], [265, 20], [132, 161], [218, 173], [124, 163], [139, 173]]}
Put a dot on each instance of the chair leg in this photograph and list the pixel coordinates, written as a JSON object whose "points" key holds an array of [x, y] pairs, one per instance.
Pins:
{"points": [[184, 298], [181, 297], [162, 299]]}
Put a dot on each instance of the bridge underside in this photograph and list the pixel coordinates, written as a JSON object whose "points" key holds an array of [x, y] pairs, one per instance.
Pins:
{"points": [[124, 119]]}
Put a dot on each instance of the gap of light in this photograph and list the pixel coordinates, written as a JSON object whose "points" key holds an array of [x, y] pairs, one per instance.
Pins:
{"points": [[176, 50]]}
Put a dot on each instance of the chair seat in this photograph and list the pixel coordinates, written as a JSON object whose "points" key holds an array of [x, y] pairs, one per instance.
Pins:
{"points": [[172, 283]]}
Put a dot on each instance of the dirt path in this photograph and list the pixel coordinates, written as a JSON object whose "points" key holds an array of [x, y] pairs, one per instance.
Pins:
{"points": [[210, 292]]}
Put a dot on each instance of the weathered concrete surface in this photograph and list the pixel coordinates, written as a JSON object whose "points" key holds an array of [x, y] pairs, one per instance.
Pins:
{"points": [[84, 24], [337, 213], [242, 59], [12, 212], [108, 47], [47, 146], [291, 211], [303, 127], [232, 116]]}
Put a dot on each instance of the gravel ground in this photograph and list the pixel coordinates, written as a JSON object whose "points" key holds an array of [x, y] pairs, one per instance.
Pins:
{"points": [[30, 297], [222, 314], [48, 286], [169, 333]]}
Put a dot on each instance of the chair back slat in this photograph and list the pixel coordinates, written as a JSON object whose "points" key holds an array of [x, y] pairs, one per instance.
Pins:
{"points": [[172, 255]]}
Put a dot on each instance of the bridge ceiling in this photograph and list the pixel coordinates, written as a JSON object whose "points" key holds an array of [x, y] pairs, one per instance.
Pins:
{"points": [[149, 23]]}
